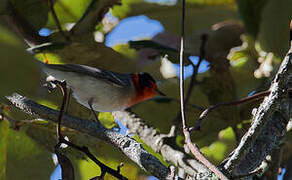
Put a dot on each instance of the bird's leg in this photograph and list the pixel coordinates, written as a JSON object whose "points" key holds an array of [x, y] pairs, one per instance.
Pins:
{"points": [[90, 101], [50, 86]]}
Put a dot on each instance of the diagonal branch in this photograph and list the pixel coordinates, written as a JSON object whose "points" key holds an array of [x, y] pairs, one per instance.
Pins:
{"points": [[160, 143], [22, 26], [92, 16], [268, 127], [104, 168], [58, 24], [126, 144]]}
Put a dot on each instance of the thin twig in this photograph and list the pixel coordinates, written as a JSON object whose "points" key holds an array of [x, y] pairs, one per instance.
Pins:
{"points": [[161, 143], [204, 38], [62, 86], [92, 16], [273, 112], [257, 171], [127, 145], [257, 96], [204, 114], [194, 149], [58, 24], [104, 168], [194, 76], [181, 62]]}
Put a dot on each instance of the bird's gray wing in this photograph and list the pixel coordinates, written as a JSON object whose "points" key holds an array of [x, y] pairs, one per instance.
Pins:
{"points": [[117, 79]]}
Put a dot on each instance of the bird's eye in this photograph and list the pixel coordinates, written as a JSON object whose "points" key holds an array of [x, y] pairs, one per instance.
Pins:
{"points": [[146, 80]]}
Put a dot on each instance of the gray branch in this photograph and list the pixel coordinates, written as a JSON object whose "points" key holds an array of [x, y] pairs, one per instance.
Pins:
{"points": [[126, 144], [268, 126], [92, 16], [158, 142]]}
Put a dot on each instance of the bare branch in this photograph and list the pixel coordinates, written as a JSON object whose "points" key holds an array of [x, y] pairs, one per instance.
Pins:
{"points": [[268, 127], [104, 168], [160, 143], [194, 149], [127, 145], [193, 81], [204, 114], [58, 24], [204, 38], [92, 16]]}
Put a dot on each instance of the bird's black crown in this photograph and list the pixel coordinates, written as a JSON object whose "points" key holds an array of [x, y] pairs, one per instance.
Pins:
{"points": [[145, 80]]}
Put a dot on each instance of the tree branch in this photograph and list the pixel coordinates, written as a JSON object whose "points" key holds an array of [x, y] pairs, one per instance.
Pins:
{"points": [[193, 148], [268, 125], [127, 145], [92, 16], [57, 22], [204, 114], [159, 143]]}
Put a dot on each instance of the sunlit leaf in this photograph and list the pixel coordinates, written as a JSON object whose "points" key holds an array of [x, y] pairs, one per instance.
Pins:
{"points": [[68, 11], [3, 148], [21, 150], [227, 134], [89, 169], [150, 150], [107, 119]]}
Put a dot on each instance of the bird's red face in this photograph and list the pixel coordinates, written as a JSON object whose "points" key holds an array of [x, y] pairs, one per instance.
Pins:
{"points": [[146, 87]]}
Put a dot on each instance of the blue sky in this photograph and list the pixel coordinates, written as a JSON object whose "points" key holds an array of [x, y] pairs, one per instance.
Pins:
{"points": [[133, 28]]}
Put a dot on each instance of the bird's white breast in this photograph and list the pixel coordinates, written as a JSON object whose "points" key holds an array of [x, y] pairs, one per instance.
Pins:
{"points": [[106, 97]]}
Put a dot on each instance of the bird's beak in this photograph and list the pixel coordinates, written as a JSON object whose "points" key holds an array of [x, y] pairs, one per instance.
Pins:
{"points": [[160, 93]]}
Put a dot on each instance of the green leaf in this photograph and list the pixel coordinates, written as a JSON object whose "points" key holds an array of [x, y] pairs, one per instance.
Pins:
{"points": [[35, 12], [227, 134], [274, 27], [220, 148], [18, 70], [251, 14], [68, 11], [89, 169], [3, 149], [24, 156], [107, 119], [150, 150]]}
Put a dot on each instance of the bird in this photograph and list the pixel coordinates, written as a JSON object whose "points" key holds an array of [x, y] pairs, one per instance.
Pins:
{"points": [[102, 90]]}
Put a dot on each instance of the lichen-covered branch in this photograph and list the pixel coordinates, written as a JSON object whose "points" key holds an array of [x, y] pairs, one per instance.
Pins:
{"points": [[268, 125], [126, 144], [159, 143]]}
